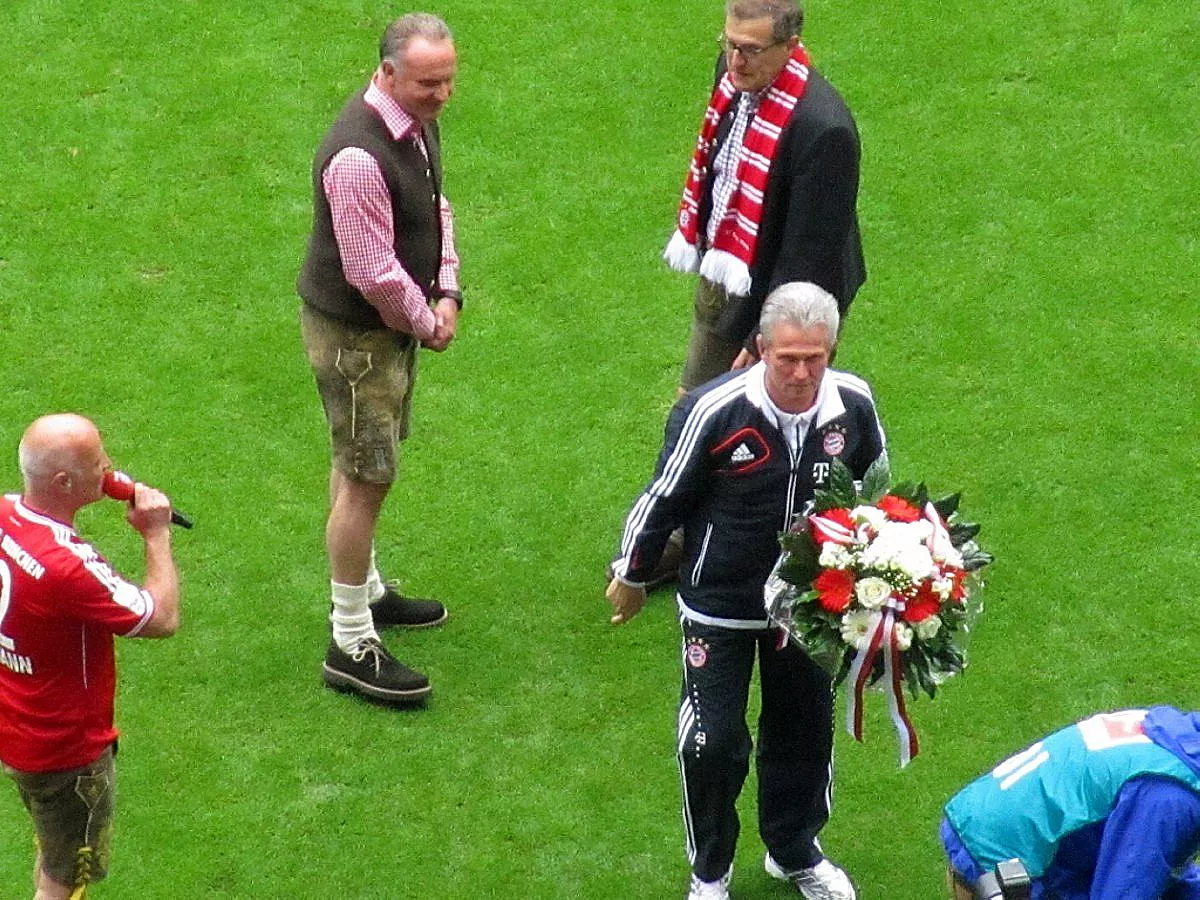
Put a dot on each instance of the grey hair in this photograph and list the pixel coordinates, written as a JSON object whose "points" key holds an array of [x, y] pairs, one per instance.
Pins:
{"points": [[787, 16], [397, 36], [802, 304]]}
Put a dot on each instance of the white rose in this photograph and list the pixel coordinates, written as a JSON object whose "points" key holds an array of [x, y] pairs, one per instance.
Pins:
{"points": [[928, 627], [872, 592], [903, 636], [856, 626]]}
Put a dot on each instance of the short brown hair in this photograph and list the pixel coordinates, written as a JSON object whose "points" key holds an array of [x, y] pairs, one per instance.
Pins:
{"points": [[786, 16]]}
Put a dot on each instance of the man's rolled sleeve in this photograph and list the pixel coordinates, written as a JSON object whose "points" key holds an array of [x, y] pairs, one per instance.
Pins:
{"points": [[363, 226]]}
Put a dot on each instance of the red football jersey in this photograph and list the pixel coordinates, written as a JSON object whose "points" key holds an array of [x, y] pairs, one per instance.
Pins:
{"points": [[60, 605]]}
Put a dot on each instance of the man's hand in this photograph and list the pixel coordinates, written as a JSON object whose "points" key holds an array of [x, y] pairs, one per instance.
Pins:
{"points": [[743, 360], [445, 316], [149, 511], [627, 601]]}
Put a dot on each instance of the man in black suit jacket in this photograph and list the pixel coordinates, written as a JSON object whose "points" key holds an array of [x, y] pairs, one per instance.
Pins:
{"points": [[807, 229]]}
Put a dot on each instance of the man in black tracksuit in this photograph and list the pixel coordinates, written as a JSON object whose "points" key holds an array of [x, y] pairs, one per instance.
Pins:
{"points": [[742, 457]]}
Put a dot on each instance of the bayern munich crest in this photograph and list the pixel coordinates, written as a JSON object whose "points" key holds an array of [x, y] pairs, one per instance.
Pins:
{"points": [[834, 443], [696, 653]]}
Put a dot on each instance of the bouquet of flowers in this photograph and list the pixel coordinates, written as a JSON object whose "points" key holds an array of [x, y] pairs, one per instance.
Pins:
{"points": [[879, 583]]}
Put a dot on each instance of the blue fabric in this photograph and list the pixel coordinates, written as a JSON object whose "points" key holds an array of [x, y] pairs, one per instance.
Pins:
{"points": [[1140, 850], [958, 855], [1152, 831], [1062, 783], [1179, 732]]}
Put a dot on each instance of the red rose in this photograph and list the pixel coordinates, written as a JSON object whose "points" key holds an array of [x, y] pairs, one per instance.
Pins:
{"points": [[898, 509], [833, 525], [921, 607], [834, 588]]}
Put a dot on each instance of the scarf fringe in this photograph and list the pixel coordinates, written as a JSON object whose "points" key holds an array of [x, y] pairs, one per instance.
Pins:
{"points": [[723, 268], [680, 255]]}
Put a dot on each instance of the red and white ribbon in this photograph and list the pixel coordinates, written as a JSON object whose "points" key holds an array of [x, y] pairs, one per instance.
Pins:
{"points": [[828, 531], [939, 543], [881, 637]]}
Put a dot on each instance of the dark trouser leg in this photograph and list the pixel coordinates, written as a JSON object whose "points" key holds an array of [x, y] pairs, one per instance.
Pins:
{"points": [[795, 749], [709, 353], [714, 742]]}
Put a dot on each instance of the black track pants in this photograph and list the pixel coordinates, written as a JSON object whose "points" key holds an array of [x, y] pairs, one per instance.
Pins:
{"points": [[795, 743]]}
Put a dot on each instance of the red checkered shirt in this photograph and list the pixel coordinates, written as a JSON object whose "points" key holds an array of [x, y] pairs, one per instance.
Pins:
{"points": [[365, 232]]}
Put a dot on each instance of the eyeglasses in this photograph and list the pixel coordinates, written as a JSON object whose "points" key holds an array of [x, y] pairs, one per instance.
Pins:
{"points": [[748, 51]]}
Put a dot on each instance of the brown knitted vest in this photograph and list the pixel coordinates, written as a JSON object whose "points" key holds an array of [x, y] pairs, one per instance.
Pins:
{"points": [[414, 186]]}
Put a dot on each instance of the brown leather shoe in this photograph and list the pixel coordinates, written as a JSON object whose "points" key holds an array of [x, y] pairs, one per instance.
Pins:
{"points": [[394, 609]]}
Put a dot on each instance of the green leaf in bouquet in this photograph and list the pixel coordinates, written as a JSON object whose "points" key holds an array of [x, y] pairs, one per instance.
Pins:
{"points": [[954, 620], [791, 541], [844, 668], [799, 571], [911, 679], [956, 660], [799, 543], [947, 506], [922, 496], [876, 671], [839, 491], [912, 675], [948, 661], [876, 480], [822, 641], [974, 558], [801, 564], [961, 532], [920, 666], [916, 494]]}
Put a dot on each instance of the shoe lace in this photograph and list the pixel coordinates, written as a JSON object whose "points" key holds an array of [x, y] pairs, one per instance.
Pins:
{"points": [[369, 647]]}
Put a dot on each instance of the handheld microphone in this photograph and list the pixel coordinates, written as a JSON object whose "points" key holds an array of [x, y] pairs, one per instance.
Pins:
{"points": [[119, 486]]}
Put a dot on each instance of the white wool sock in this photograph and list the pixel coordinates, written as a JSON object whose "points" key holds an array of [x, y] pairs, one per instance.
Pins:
{"points": [[351, 619], [375, 585]]}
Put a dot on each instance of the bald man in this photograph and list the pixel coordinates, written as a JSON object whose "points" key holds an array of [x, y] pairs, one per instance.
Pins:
{"points": [[60, 606]]}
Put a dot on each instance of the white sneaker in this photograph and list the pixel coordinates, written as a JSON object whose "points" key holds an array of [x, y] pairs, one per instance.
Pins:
{"points": [[824, 881], [710, 890]]}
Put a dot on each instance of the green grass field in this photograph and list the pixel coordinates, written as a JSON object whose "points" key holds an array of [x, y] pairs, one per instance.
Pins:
{"points": [[1029, 206]]}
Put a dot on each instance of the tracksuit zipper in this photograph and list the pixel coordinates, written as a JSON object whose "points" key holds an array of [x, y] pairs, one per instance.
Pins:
{"points": [[793, 476]]}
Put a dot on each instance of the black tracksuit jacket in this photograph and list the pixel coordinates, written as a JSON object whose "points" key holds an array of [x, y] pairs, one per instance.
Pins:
{"points": [[727, 475]]}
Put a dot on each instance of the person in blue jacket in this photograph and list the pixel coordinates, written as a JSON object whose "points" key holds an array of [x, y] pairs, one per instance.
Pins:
{"points": [[1105, 809]]}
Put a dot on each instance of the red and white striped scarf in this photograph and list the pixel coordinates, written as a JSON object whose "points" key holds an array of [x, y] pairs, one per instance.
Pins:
{"points": [[728, 261]]}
